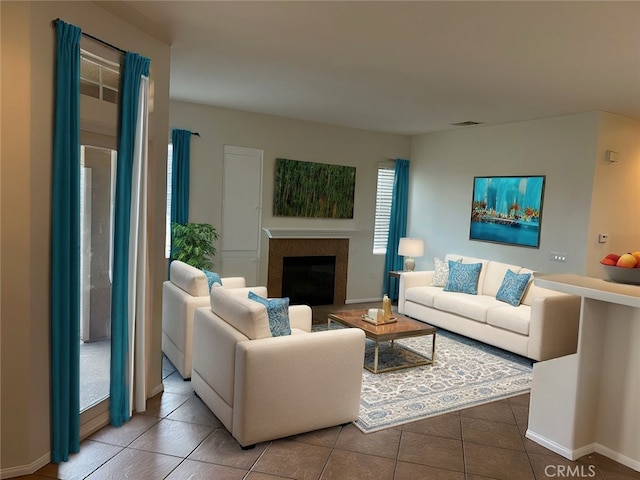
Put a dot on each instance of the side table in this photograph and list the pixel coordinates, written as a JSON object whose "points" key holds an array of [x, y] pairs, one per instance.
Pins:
{"points": [[394, 274]]}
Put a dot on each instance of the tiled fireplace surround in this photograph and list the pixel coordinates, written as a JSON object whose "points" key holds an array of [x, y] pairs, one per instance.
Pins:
{"points": [[300, 247]]}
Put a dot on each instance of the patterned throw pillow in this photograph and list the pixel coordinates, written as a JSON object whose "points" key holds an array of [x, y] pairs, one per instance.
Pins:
{"points": [[212, 277], [463, 277], [513, 286], [278, 313], [441, 272]]}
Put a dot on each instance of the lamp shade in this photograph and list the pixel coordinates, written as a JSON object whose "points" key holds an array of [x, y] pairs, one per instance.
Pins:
{"points": [[411, 247]]}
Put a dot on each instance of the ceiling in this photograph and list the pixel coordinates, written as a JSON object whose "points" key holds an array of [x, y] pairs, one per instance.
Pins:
{"points": [[400, 67]]}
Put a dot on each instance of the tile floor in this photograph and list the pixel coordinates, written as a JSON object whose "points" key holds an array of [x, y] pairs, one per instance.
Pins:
{"points": [[179, 438]]}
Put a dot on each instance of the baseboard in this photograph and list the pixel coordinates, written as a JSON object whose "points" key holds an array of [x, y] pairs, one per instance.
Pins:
{"points": [[21, 470], [553, 446], [156, 390], [618, 457], [362, 300], [584, 450]]}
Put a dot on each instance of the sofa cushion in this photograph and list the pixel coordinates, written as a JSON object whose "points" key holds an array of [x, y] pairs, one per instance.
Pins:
{"points": [[190, 279], [474, 307], [248, 317], [513, 287], [514, 319], [495, 275], [422, 295], [463, 277], [212, 277], [278, 313]]}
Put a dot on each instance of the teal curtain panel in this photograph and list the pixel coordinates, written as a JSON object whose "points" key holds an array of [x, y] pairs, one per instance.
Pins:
{"points": [[65, 247], [397, 225], [181, 140], [135, 66]]}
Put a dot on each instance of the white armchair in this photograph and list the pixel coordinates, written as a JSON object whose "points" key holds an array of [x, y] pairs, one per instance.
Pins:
{"points": [[186, 290], [262, 387]]}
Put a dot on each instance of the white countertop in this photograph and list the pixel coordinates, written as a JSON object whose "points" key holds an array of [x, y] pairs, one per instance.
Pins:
{"points": [[590, 287]]}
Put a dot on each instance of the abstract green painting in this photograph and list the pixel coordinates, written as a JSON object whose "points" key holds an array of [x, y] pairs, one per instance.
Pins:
{"points": [[309, 189]]}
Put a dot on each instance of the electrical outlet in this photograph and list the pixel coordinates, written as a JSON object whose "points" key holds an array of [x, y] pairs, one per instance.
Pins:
{"points": [[558, 256]]}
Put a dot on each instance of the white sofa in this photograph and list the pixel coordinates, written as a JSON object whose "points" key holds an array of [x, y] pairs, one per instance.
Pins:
{"points": [[186, 290], [263, 387], [543, 326]]}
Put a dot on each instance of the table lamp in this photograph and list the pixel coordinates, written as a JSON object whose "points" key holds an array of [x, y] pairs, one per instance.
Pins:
{"points": [[409, 248]]}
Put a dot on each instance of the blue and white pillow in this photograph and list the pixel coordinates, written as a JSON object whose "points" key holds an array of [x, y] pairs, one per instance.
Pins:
{"points": [[463, 277], [212, 277], [513, 287], [278, 313]]}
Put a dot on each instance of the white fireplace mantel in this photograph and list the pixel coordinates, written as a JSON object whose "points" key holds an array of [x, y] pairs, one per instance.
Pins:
{"points": [[309, 232]]}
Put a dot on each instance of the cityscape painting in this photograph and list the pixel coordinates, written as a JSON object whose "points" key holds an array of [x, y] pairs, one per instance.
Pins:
{"points": [[507, 210]]}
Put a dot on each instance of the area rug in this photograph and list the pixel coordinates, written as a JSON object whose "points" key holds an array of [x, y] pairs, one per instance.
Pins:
{"points": [[466, 373]]}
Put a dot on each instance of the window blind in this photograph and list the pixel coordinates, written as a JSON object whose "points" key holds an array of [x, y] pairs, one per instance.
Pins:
{"points": [[384, 196]]}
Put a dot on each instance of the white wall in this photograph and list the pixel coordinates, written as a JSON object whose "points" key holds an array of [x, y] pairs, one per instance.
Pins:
{"points": [[443, 166], [616, 192], [297, 140], [28, 50]]}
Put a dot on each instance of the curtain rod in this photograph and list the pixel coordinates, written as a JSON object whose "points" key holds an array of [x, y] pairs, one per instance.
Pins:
{"points": [[106, 44], [192, 133]]}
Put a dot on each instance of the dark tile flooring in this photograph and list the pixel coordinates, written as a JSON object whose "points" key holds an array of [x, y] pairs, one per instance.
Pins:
{"points": [[179, 438]]}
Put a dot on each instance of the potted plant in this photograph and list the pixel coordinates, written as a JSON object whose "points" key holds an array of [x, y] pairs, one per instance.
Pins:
{"points": [[193, 244]]}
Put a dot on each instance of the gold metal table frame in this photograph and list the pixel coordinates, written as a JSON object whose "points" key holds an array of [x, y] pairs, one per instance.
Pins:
{"points": [[404, 328]]}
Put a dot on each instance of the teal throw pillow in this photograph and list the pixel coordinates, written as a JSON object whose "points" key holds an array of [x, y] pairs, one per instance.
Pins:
{"points": [[463, 277], [212, 277], [278, 313], [513, 286]]}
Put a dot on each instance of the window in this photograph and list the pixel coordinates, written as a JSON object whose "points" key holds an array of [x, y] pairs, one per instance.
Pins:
{"points": [[384, 196], [167, 239], [99, 78]]}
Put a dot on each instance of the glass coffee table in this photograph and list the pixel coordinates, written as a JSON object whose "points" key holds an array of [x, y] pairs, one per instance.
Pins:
{"points": [[403, 327]]}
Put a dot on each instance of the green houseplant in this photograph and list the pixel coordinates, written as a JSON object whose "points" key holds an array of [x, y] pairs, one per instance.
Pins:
{"points": [[193, 243]]}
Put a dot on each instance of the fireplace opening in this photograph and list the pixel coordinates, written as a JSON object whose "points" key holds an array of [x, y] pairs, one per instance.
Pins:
{"points": [[309, 280]]}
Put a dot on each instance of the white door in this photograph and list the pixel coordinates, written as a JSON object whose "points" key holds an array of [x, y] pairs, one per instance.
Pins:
{"points": [[241, 213]]}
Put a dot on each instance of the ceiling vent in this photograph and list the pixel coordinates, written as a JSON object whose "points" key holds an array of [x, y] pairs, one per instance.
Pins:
{"points": [[468, 123]]}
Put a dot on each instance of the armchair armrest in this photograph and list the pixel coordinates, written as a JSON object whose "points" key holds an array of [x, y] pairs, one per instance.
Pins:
{"points": [[244, 291], [300, 317], [233, 282], [412, 279], [553, 331], [278, 381], [178, 309]]}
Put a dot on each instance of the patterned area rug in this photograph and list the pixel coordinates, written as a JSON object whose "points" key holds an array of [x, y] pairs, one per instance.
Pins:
{"points": [[466, 373]]}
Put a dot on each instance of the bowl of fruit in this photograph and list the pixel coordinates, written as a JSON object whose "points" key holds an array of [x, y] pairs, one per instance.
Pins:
{"points": [[623, 268]]}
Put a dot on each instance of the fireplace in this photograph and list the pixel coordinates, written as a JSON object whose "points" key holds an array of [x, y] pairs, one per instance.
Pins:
{"points": [[309, 280], [322, 255]]}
